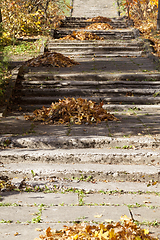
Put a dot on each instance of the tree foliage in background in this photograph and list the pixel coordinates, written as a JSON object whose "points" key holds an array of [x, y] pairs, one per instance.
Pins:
{"points": [[144, 15], [32, 17]]}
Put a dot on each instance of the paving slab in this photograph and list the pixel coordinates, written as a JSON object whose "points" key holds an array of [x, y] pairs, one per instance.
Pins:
{"points": [[21, 214], [31, 198], [88, 213], [145, 200]]}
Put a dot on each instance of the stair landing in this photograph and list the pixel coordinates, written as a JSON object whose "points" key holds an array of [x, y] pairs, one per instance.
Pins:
{"points": [[94, 8]]}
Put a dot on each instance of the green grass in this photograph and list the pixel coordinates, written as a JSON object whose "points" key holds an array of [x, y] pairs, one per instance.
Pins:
{"points": [[22, 47]]}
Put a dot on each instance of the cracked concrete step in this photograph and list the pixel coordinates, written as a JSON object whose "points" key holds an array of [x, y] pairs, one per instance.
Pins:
{"points": [[99, 77], [91, 49], [134, 43], [124, 34], [132, 173], [100, 53], [64, 91], [97, 48], [103, 156], [81, 22], [108, 84], [106, 100], [82, 142], [109, 107]]}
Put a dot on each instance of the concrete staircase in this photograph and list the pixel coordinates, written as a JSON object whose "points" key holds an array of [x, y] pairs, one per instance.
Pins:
{"points": [[107, 159], [113, 71]]}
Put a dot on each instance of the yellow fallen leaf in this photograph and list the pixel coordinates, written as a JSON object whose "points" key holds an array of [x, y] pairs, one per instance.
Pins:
{"points": [[16, 234], [98, 216], [146, 231], [125, 218], [108, 220], [38, 229]]}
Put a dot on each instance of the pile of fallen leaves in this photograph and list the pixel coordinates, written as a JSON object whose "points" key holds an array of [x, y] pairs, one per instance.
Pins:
{"points": [[82, 35], [51, 59], [99, 19], [76, 111], [99, 26], [121, 230]]}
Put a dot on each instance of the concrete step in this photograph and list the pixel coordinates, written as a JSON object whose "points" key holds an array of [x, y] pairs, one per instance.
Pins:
{"points": [[124, 34], [135, 78], [98, 43], [87, 92], [78, 22], [106, 156], [99, 54], [118, 145], [131, 173], [107, 100], [98, 48], [117, 108], [108, 84]]}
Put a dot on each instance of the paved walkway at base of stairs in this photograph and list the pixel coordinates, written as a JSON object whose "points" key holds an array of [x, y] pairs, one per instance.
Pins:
{"points": [[59, 209], [94, 8]]}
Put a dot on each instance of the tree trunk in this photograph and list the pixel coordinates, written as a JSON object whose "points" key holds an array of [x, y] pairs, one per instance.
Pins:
{"points": [[158, 16], [0, 16]]}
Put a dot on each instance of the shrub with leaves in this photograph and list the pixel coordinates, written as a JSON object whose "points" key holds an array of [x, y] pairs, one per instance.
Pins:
{"points": [[76, 111], [144, 15], [123, 230], [21, 17]]}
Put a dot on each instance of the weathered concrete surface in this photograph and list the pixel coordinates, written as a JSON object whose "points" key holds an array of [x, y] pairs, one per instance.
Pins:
{"points": [[94, 8], [143, 207], [85, 156], [142, 173]]}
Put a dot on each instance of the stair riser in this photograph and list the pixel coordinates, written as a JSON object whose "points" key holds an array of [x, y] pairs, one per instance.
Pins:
{"points": [[141, 177], [87, 92], [82, 25], [91, 85], [105, 99], [93, 49], [104, 34], [117, 78]]}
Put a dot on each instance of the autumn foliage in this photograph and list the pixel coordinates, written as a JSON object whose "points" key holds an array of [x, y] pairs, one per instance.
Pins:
{"points": [[144, 15], [31, 17], [125, 229]]}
